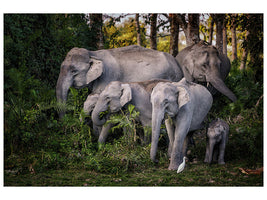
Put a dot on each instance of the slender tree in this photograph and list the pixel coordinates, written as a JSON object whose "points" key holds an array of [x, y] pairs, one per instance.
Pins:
{"points": [[255, 43], [153, 31], [225, 37], [244, 55], [233, 31], [193, 28], [174, 38], [190, 28], [211, 30], [138, 31], [219, 18], [96, 23]]}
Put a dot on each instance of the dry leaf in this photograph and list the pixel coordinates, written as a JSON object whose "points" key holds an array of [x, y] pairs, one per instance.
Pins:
{"points": [[251, 171]]}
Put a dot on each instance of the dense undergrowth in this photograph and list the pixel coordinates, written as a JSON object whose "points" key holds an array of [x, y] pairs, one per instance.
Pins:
{"points": [[36, 141]]}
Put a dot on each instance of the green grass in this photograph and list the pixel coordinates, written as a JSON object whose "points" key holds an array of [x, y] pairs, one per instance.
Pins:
{"points": [[195, 174]]}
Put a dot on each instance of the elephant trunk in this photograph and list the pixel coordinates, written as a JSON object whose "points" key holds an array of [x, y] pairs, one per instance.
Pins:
{"points": [[100, 107], [63, 85], [221, 87], [157, 117]]}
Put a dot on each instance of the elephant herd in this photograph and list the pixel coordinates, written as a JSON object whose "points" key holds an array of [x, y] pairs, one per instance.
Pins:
{"points": [[158, 85]]}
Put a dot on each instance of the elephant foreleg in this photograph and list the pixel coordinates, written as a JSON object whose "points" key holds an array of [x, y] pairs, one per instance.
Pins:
{"points": [[207, 155], [170, 130], [210, 146]]}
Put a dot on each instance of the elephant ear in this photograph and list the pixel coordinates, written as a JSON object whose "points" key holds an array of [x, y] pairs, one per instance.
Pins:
{"points": [[95, 71], [126, 95], [183, 96]]}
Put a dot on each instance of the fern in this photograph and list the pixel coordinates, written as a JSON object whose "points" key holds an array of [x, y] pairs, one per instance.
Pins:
{"points": [[126, 120]]}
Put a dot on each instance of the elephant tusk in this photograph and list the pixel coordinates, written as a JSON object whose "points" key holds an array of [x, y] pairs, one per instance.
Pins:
{"points": [[181, 166]]}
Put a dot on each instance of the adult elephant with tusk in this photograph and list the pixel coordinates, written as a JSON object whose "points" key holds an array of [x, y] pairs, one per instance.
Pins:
{"points": [[202, 62], [82, 68]]}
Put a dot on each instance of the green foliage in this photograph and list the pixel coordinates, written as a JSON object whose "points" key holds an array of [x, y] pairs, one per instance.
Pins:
{"points": [[163, 44], [122, 35], [127, 121], [38, 43], [35, 46]]}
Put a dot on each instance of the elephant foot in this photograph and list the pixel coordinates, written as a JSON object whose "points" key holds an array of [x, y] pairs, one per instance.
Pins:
{"points": [[175, 163], [173, 166]]}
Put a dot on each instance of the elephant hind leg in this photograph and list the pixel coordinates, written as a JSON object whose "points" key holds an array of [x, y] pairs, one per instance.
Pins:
{"points": [[182, 125]]}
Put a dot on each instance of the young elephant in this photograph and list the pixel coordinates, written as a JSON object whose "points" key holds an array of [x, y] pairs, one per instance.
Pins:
{"points": [[187, 104], [217, 137], [117, 95]]}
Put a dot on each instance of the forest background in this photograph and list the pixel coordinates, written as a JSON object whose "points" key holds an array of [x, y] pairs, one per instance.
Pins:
{"points": [[37, 143]]}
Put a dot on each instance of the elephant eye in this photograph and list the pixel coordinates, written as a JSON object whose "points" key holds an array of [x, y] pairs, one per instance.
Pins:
{"points": [[73, 70], [165, 102], [108, 98]]}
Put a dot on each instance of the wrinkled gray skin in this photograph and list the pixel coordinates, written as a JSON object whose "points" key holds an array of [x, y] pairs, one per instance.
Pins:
{"points": [[117, 95], [203, 63], [217, 137], [187, 104], [82, 68]]}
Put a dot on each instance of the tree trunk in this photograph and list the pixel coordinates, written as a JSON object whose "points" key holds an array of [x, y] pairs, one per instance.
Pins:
{"points": [[224, 37], [138, 37], [96, 23], [153, 31], [211, 30], [174, 39], [244, 55], [219, 18], [192, 29], [233, 31]]}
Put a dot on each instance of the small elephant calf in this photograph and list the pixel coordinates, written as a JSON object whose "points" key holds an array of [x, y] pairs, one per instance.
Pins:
{"points": [[217, 136]]}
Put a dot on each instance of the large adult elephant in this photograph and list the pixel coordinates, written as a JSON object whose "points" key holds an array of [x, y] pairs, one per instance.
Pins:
{"points": [[187, 104], [82, 68], [202, 62]]}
